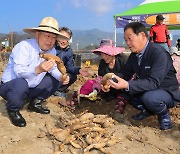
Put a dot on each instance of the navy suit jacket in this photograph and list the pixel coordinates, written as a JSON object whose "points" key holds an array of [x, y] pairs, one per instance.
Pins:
{"points": [[156, 71]]}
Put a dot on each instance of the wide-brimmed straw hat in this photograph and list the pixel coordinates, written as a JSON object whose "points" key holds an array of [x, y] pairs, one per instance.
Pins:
{"points": [[107, 47], [48, 24]]}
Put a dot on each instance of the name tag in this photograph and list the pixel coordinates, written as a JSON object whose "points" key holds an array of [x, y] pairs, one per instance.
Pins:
{"points": [[147, 67]]}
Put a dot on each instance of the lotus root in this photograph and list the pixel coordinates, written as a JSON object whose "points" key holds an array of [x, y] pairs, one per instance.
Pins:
{"points": [[59, 62], [104, 80]]}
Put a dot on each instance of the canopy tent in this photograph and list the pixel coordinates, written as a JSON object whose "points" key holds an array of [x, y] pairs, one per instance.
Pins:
{"points": [[146, 13]]}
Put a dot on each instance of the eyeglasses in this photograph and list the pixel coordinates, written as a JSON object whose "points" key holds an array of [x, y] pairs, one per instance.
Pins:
{"points": [[47, 36]]}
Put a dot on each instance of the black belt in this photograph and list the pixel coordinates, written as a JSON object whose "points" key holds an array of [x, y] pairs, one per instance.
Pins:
{"points": [[160, 42]]}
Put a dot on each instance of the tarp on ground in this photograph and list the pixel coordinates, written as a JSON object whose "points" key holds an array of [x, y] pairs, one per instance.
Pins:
{"points": [[146, 13]]}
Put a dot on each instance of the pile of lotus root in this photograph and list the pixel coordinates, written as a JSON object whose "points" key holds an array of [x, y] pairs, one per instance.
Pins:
{"points": [[82, 133]]}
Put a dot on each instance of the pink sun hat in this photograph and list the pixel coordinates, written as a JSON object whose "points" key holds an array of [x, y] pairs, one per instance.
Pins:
{"points": [[107, 47]]}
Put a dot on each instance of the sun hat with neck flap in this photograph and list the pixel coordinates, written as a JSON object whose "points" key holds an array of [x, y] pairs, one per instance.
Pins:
{"points": [[107, 47], [48, 24]]}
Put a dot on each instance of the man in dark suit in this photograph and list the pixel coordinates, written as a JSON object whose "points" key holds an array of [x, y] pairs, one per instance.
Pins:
{"points": [[149, 77]]}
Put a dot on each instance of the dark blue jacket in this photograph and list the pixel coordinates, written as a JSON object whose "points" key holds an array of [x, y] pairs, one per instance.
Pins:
{"points": [[156, 71], [66, 56]]}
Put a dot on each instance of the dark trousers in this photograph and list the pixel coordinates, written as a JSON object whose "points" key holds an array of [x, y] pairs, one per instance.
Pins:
{"points": [[17, 90], [73, 78], [153, 101]]}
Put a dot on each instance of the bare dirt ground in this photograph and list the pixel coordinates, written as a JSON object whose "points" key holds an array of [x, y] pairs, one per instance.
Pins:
{"points": [[133, 137]]}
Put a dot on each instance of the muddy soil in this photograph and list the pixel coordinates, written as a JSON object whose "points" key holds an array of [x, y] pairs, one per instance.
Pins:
{"points": [[135, 137]]}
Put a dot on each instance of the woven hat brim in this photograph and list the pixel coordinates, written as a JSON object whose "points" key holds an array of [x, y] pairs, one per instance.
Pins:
{"points": [[46, 29]]}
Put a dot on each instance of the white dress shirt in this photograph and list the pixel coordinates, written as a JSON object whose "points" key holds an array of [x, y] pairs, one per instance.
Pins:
{"points": [[23, 60]]}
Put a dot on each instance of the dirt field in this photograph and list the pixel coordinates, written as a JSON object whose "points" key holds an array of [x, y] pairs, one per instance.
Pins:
{"points": [[132, 137]]}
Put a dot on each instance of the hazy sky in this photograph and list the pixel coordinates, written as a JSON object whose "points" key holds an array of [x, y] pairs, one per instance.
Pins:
{"points": [[75, 14]]}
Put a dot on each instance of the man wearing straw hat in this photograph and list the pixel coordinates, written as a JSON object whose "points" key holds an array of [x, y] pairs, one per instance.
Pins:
{"points": [[27, 76]]}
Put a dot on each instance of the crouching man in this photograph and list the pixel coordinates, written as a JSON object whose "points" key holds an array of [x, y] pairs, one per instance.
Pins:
{"points": [[27, 76], [154, 87]]}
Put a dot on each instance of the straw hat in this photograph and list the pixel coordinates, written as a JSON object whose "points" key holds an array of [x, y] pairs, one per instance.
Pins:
{"points": [[107, 47], [48, 24]]}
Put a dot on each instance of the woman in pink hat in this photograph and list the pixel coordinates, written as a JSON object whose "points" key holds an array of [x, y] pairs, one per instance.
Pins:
{"points": [[113, 60]]}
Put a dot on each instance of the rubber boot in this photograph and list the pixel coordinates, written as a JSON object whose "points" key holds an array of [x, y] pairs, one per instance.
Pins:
{"points": [[142, 115], [164, 120], [35, 106]]}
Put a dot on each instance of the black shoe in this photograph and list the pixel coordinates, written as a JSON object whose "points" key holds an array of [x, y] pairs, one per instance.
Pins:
{"points": [[35, 106], [16, 118], [142, 115]]}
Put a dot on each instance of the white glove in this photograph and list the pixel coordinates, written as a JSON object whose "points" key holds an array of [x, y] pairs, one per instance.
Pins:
{"points": [[93, 95]]}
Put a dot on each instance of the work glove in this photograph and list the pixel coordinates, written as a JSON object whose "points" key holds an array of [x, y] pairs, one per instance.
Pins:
{"points": [[93, 95]]}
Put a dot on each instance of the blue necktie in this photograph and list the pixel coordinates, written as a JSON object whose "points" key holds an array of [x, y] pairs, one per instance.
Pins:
{"points": [[139, 58]]}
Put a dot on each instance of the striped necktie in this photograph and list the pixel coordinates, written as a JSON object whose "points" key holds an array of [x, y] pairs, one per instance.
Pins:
{"points": [[139, 58]]}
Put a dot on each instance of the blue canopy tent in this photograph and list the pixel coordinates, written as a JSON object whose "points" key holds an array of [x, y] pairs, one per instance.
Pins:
{"points": [[147, 11]]}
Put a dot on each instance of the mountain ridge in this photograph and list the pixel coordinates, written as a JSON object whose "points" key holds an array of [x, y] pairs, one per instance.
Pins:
{"points": [[83, 38]]}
